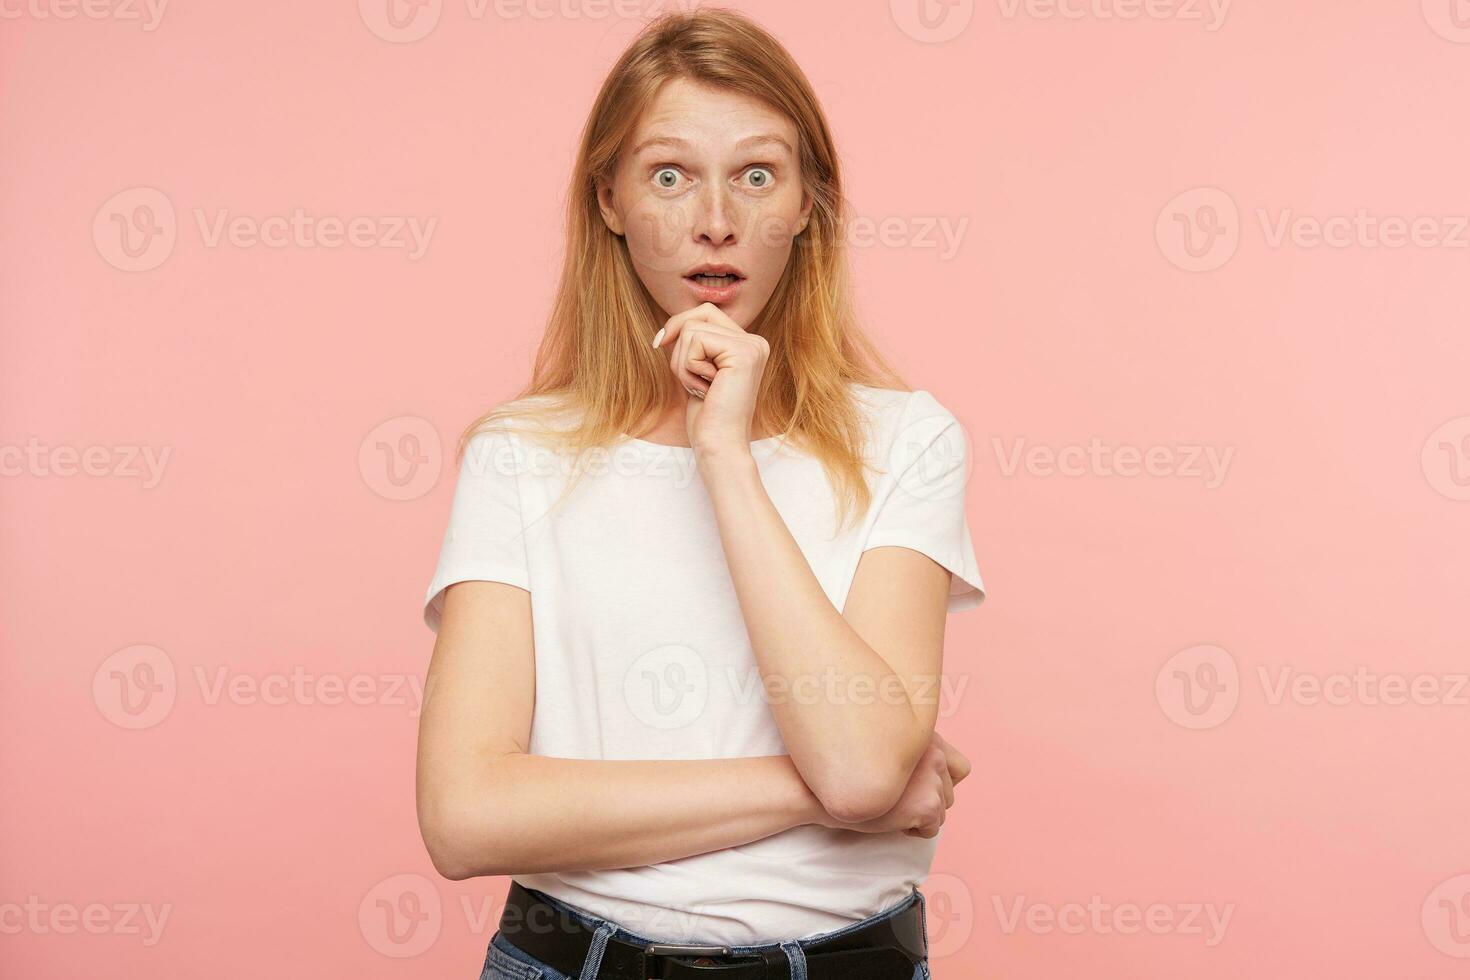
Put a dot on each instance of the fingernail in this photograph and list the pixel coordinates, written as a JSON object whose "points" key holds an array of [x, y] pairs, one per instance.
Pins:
{"points": [[659, 336]]}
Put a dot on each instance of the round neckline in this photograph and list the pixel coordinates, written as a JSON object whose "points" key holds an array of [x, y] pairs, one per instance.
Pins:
{"points": [[758, 446]]}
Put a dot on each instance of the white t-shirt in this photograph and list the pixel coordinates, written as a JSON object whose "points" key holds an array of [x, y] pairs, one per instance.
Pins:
{"points": [[642, 651]]}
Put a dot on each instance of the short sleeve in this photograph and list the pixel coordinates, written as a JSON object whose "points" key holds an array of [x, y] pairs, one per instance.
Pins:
{"points": [[485, 539], [920, 503]]}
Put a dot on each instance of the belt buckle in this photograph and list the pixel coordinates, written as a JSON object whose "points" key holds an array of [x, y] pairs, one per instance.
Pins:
{"points": [[679, 949]]}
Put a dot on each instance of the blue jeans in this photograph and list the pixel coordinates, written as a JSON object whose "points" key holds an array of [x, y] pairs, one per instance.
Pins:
{"points": [[503, 961]]}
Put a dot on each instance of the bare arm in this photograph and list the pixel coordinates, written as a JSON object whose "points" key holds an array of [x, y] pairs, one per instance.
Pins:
{"points": [[486, 807], [856, 746]]}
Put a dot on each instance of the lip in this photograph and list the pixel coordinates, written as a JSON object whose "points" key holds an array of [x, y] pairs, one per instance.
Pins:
{"points": [[714, 294]]}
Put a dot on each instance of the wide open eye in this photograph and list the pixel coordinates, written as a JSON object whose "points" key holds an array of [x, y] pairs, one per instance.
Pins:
{"points": [[761, 177], [666, 177]]}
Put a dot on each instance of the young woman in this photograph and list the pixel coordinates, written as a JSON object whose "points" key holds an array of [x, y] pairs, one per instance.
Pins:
{"points": [[691, 601]]}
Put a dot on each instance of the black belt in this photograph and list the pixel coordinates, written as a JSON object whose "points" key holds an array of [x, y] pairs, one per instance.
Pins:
{"points": [[884, 950]]}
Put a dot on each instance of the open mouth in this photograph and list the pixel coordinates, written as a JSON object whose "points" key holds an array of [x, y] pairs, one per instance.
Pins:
{"points": [[707, 279]]}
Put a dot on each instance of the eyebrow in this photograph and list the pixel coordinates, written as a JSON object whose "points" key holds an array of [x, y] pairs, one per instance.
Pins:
{"points": [[763, 139]]}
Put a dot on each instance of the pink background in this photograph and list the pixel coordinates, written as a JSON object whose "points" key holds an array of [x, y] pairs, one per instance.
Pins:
{"points": [[306, 396]]}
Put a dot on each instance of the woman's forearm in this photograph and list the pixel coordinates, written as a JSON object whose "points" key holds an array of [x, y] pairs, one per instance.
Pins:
{"points": [[529, 814], [855, 749]]}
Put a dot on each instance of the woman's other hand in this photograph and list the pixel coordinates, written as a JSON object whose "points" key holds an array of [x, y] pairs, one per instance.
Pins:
{"points": [[921, 810]]}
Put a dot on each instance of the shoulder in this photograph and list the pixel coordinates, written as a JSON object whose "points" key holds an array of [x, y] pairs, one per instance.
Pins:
{"points": [[519, 420], [907, 427], [893, 412]]}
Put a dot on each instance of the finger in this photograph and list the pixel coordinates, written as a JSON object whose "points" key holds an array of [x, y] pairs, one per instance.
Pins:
{"points": [[698, 359], [959, 766], [697, 352], [707, 312], [678, 363]]}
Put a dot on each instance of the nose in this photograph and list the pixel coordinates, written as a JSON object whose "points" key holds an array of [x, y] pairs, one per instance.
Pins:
{"points": [[715, 218]]}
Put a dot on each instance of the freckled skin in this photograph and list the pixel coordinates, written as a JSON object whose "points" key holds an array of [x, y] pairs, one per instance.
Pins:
{"points": [[710, 201]]}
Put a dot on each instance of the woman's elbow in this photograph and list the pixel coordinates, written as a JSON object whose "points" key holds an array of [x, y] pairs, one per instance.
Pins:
{"points": [[857, 790], [457, 849], [857, 797]]}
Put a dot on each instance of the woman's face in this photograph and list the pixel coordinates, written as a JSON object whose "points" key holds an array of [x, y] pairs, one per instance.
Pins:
{"points": [[710, 179]]}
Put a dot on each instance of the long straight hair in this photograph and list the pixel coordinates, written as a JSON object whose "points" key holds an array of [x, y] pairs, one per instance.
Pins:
{"points": [[595, 364]]}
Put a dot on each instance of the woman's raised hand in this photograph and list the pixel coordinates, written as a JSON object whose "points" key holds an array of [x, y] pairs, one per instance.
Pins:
{"points": [[720, 365]]}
